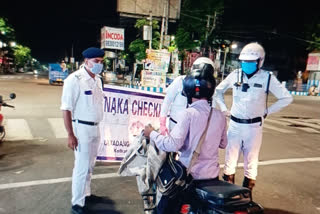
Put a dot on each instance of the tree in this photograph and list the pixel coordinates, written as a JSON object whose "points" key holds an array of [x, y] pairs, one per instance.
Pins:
{"points": [[6, 30], [192, 28], [22, 55], [314, 44], [138, 47]]}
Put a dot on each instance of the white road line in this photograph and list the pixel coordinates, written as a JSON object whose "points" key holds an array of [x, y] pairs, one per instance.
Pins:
{"points": [[112, 175], [58, 128], [278, 129], [309, 130], [277, 122], [297, 122], [17, 129], [52, 181]]}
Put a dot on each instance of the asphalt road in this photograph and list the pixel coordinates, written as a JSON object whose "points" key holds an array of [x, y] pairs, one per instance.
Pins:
{"points": [[36, 165]]}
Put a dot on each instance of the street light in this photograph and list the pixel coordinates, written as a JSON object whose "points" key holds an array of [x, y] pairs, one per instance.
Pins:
{"points": [[13, 44], [234, 46]]}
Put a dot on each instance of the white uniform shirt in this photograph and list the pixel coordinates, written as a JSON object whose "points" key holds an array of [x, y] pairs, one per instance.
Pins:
{"points": [[251, 104], [83, 96], [174, 101]]}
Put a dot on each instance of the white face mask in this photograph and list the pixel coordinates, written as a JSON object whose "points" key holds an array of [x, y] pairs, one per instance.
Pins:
{"points": [[96, 68]]}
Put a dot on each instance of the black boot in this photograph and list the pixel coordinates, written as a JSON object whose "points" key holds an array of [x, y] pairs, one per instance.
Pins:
{"points": [[249, 183], [228, 178]]}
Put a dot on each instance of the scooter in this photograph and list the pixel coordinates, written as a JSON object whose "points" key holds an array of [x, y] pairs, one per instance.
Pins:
{"points": [[3, 104]]}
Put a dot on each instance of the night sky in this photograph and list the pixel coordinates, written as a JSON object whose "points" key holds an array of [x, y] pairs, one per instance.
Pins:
{"points": [[50, 28]]}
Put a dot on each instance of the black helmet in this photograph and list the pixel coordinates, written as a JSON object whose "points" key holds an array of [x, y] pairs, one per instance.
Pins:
{"points": [[201, 84]]}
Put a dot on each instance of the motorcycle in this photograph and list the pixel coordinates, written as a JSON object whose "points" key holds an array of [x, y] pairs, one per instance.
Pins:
{"points": [[198, 197], [220, 197], [3, 104], [210, 197]]}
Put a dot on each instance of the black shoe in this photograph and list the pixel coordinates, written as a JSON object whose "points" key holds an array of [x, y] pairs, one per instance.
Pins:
{"points": [[94, 199], [76, 209]]}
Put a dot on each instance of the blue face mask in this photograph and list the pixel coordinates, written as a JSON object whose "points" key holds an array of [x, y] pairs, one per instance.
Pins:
{"points": [[96, 68], [249, 67]]}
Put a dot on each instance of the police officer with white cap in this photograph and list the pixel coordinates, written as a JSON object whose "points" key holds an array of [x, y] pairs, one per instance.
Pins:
{"points": [[250, 87], [82, 107], [174, 101]]}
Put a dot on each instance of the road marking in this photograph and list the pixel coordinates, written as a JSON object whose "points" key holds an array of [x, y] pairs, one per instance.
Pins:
{"points": [[112, 175], [302, 123], [17, 129], [52, 181], [278, 129], [309, 130], [58, 128], [277, 122]]}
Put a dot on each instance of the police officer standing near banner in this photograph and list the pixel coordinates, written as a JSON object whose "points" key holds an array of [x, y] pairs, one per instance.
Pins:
{"points": [[82, 107], [250, 87]]}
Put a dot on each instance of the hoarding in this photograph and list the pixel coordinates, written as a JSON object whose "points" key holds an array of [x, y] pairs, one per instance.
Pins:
{"points": [[140, 8], [155, 68], [313, 63], [112, 38]]}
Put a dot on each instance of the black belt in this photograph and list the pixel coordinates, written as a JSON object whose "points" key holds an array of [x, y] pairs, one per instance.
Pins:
{"points": [[254, 120], [86, 122], [172, 120]]}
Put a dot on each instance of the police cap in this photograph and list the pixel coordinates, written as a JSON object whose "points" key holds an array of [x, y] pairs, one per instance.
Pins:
{"points": [[92, 53]]}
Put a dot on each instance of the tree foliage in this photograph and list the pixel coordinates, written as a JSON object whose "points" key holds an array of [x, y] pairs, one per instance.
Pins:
{"points": [[138, 47], [314, 34], [6, 30], [22, 55], [193, 23]]}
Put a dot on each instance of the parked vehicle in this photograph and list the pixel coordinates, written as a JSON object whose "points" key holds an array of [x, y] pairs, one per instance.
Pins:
{"points": [[57, 74], [3, 104]]}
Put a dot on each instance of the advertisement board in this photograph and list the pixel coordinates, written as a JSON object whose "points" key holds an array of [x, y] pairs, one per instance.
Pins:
{"points": [[112, 38], [140, 8], [313, 63], [126, 112], [155, 68]]}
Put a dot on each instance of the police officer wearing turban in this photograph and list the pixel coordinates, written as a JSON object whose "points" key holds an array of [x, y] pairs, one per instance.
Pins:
{"points": [[82, 107]]}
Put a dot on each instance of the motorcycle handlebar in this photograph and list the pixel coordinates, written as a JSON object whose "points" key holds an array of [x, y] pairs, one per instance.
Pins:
{"points": [[7, 105]]}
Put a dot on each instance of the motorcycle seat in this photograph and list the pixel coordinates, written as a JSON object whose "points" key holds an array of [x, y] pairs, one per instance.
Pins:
{"points": [[221, 193]]}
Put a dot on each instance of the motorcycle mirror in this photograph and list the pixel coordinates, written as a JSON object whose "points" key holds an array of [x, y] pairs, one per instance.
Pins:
{"points": [[12, 95]]}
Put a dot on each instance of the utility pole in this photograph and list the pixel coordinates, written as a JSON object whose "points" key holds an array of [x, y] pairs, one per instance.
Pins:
{"points": [[150, 23], [208, 26], [209, 31], [167, 17], [162, 27], [71, 59]]}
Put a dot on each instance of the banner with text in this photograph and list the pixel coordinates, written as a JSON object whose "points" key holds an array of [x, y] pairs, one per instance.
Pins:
{"points": [[112, 38], [126, 112]]}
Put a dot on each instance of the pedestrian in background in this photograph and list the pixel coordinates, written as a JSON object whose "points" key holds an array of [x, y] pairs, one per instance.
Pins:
{"points": [[250, 87], [82, 107], [174, 101]]}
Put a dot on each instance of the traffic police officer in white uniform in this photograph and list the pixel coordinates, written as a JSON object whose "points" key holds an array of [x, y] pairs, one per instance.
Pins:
{"points": [[250, 87], [82, 106], [174, 101]]}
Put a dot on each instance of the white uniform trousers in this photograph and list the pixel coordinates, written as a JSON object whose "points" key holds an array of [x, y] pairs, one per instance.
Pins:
{"points": [[85, 157], [245, 138]]}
